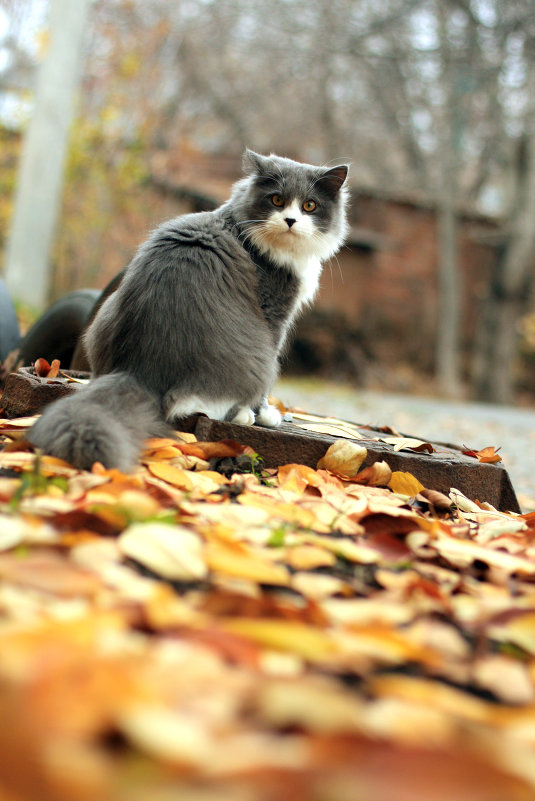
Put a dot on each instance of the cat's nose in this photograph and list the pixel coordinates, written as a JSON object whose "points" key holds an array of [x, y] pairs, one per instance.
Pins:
{"points": [[290, 221]]}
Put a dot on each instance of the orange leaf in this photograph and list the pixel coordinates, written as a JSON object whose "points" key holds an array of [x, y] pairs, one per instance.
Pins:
{"points": [[54, 369], [489, 455], [297, 477], [171, 474]]}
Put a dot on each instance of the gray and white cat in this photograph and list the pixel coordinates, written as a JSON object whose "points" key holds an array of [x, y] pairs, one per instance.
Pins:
{"points": [[201, 315]]}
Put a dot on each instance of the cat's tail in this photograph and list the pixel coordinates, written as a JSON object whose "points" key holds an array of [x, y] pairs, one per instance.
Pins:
{"points": [[105, 422]]}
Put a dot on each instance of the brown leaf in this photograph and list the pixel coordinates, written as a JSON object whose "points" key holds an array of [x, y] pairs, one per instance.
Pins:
{"points": [[378, 474], [343, 458], [219, 450], [41, 367], [54, 369]]}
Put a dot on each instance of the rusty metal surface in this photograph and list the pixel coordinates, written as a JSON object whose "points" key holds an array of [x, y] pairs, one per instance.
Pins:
{"points": [[443, 469], [26, 394]]}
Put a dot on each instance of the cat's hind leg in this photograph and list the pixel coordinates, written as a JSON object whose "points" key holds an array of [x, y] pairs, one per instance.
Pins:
{"points": [[177, 408]]}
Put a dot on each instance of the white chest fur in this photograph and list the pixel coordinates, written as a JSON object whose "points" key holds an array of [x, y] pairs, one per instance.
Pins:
{"points": [[308, 271]]}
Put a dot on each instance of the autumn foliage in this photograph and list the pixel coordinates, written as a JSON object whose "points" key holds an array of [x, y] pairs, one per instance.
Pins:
{"points": [[205, 629]]}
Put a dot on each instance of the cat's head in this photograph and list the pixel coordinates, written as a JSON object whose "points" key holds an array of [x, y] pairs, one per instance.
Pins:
{"points": [[292, 211]]}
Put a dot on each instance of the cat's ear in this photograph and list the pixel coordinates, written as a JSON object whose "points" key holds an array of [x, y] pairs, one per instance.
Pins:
{"points": [[334, 179], [253, 163]]}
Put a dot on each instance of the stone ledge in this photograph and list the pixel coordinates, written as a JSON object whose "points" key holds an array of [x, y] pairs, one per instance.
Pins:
{"points": [[27, 394]]}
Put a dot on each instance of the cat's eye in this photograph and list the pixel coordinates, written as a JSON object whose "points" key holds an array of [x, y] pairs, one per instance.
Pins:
{"points": [[277, 200], [309, 205]]}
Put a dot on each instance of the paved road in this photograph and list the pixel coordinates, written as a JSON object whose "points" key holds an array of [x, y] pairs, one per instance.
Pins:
{"points": [[475, 425]]}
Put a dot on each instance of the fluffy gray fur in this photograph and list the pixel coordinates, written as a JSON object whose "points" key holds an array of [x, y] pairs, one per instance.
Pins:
{"points": [[199, 320]]}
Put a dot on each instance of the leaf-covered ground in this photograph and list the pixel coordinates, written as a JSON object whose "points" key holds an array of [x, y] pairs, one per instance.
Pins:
{"points": [[206, 630]]}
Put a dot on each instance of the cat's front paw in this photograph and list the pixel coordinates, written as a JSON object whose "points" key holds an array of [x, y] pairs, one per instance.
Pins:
{"points": [[269, 416], [244, 417]]}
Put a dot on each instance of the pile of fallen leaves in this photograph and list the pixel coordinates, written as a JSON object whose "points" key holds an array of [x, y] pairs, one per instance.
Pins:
{"points": [[204, 629]]}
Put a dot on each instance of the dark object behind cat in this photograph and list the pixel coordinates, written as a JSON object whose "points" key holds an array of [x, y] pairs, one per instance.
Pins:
{"points": [[200, 317]]}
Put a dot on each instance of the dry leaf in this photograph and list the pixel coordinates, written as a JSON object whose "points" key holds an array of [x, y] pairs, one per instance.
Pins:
{"points": [[172, 475], [343, 458], [306, 641], [377, 475], [330, 430], [244, 563], [297, 477], [308, 557], [408, 443], [405, 483], [172, 552], [489, 455], [202, 679], [54, 369]]}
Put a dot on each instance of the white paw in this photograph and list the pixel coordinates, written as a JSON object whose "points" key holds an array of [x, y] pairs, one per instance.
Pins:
{"points": [[245, 417], [269, 416]]}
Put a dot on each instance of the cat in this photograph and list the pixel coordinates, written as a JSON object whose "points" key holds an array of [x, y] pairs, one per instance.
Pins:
{"points": [[201, 316]]}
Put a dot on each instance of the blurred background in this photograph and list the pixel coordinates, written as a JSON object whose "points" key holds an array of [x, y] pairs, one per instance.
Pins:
{"points": [[431, 101]]}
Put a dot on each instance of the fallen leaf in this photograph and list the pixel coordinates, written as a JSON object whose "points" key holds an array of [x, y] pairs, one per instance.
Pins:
{"points": [[330, 430], [378, 474], [48, 572], [408, 443], [343, 458], [41, 367], [173, 552], [168, 734], [172, 475], [306, 641], [54, 369], [308, 557], [297, 477], [489, 455], [405, 483], [244, 563]]}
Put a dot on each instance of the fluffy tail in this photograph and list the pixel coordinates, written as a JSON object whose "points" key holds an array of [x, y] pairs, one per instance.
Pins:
{"points": [[106, 422]]}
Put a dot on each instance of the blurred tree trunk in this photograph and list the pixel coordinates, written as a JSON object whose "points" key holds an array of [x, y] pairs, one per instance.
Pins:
{"points": [[40, 177], [449, 279], [449, 293], [512, 284]]}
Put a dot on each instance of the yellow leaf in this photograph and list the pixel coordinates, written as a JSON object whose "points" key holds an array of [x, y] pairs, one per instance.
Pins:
{"points": [[405, 484], [289, 512], [343, 458], [330, 430], [311, 643], [308, 557], [243, 563], [408, 443]]}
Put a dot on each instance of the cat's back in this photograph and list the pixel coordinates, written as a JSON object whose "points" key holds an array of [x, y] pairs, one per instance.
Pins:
{"points": [[205, 230]]}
